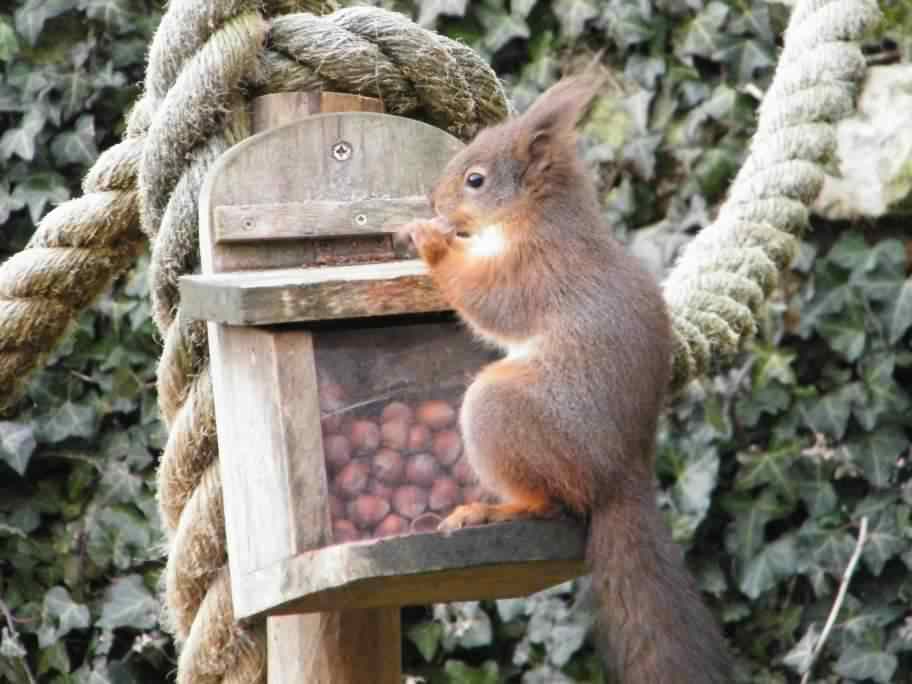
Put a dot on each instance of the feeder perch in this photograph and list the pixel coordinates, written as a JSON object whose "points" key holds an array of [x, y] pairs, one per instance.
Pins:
{"points": [[337, 372]]}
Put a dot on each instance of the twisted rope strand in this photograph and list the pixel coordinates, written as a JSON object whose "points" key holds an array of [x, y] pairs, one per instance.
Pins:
{"points": [[713, 290]]}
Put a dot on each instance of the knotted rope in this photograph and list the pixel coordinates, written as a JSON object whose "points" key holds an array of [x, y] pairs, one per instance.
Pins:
{"points": [[205, 61], [728, 270]]}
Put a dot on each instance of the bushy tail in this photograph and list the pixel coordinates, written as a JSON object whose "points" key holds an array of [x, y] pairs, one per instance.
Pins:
{"points": [[653, 625]]}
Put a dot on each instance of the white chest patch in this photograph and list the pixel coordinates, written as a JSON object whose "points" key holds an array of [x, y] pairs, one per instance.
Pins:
{"points": [[522, 350], [488, 242]]}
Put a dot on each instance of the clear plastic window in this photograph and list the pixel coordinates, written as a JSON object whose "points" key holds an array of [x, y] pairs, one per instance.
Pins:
{"points": [[389, 400]]}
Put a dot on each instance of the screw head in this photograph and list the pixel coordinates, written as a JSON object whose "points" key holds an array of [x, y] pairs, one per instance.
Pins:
{"points": [[341, 150], [361, 219]]}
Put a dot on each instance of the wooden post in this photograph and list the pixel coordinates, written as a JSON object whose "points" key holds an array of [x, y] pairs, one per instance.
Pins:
{"points": [[351, 647]]}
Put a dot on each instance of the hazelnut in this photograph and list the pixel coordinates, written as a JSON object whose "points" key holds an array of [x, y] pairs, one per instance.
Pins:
{"points": [[463, 472], [419, 438], [436, 414], [394, 434], [388, 466], [351, 480], [337, 451], [364, 436], [345, 531], [397, 411], [447, 447], [410, 501], [391, 524], [421, 469], [368, 510], [445, 494]]}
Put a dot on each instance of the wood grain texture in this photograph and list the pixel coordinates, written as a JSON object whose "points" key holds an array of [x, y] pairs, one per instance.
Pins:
{"points": [[491, 561], [290, 220], [312, 294], [270, 443], [390, 157], [345, 647]]}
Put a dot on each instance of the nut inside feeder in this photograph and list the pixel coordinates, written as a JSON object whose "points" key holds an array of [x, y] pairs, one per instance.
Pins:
{"points": [[338, 374], [389, 408]]}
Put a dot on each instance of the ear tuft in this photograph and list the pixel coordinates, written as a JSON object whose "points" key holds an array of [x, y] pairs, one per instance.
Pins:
{"points": [[547, 129], [560, 108]]}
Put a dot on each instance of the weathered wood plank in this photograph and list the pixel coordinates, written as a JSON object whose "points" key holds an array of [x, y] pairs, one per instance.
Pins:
{"points": [[270, 444], [491, 561], [387, 157], [290, 220], [311, 294]]}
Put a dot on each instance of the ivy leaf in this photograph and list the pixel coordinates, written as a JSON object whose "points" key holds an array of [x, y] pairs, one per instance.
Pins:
{"points": [[76, 146], [127, 603], [17, 444], [801, 655], [877, 453], [458, 672], [900, 313], [747, 535], [573, 15], [747, 57], [114, 13], [20, 141], [432, 9], [885, 540], [694, 486], [701, 36], [846, 334], [883, 394], [60, 615], [850, 251], [9, 45], [40, 189], [774, 562], [771, 467], [426, 637], [71, 420], [8, 203], [500, 28], [830, 549], [32, 15], [829, 414], [629, 25], [858, 663], [817, 493]]}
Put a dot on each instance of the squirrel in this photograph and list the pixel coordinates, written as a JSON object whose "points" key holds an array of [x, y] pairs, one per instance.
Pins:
{"points": [[566, 421]]}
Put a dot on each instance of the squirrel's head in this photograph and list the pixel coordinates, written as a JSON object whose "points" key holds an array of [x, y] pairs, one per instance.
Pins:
{"points": [[510, 175]]}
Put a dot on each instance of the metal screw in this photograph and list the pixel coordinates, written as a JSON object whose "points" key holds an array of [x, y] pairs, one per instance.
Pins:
{"points": [[361, 219], [341, 150]]}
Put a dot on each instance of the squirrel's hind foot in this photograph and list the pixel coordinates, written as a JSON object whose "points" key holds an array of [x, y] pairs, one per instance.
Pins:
{"points": [[480, 513]]}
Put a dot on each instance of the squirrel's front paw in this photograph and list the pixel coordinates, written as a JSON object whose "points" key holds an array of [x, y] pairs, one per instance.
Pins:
{"points": [[431, 242]]}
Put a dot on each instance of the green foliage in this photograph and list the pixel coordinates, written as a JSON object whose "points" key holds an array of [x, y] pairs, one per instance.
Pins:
{"points": [[766, 469]]}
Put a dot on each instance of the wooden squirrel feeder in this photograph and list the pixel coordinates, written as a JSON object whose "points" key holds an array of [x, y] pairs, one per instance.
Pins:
{"points": [[337, 371]]}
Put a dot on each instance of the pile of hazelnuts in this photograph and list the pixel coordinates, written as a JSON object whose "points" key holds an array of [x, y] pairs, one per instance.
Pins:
{"points": [[395, 469]]}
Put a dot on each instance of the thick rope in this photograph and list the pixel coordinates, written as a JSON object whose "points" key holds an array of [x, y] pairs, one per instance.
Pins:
{"points": [[371, 52], [726, 272], [207, 57]]}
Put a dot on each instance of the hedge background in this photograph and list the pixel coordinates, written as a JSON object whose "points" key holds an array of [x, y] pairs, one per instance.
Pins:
{"points": [[766, 469]]}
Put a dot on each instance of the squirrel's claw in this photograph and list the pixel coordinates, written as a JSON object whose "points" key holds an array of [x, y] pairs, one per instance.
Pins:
{"points": [[479, 513]]}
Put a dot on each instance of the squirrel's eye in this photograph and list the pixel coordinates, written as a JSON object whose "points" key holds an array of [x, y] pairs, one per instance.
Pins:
{"points": [[475, 180]]}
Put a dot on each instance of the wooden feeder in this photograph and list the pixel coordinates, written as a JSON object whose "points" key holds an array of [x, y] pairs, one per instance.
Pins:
{"points": [[320, 328]]}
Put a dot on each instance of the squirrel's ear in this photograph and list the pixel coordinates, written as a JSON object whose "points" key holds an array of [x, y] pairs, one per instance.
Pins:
{"points": [[548, 127]]}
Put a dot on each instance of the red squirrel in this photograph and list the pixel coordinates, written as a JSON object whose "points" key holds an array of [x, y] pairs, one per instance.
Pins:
{"points": [[567, 419]]}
